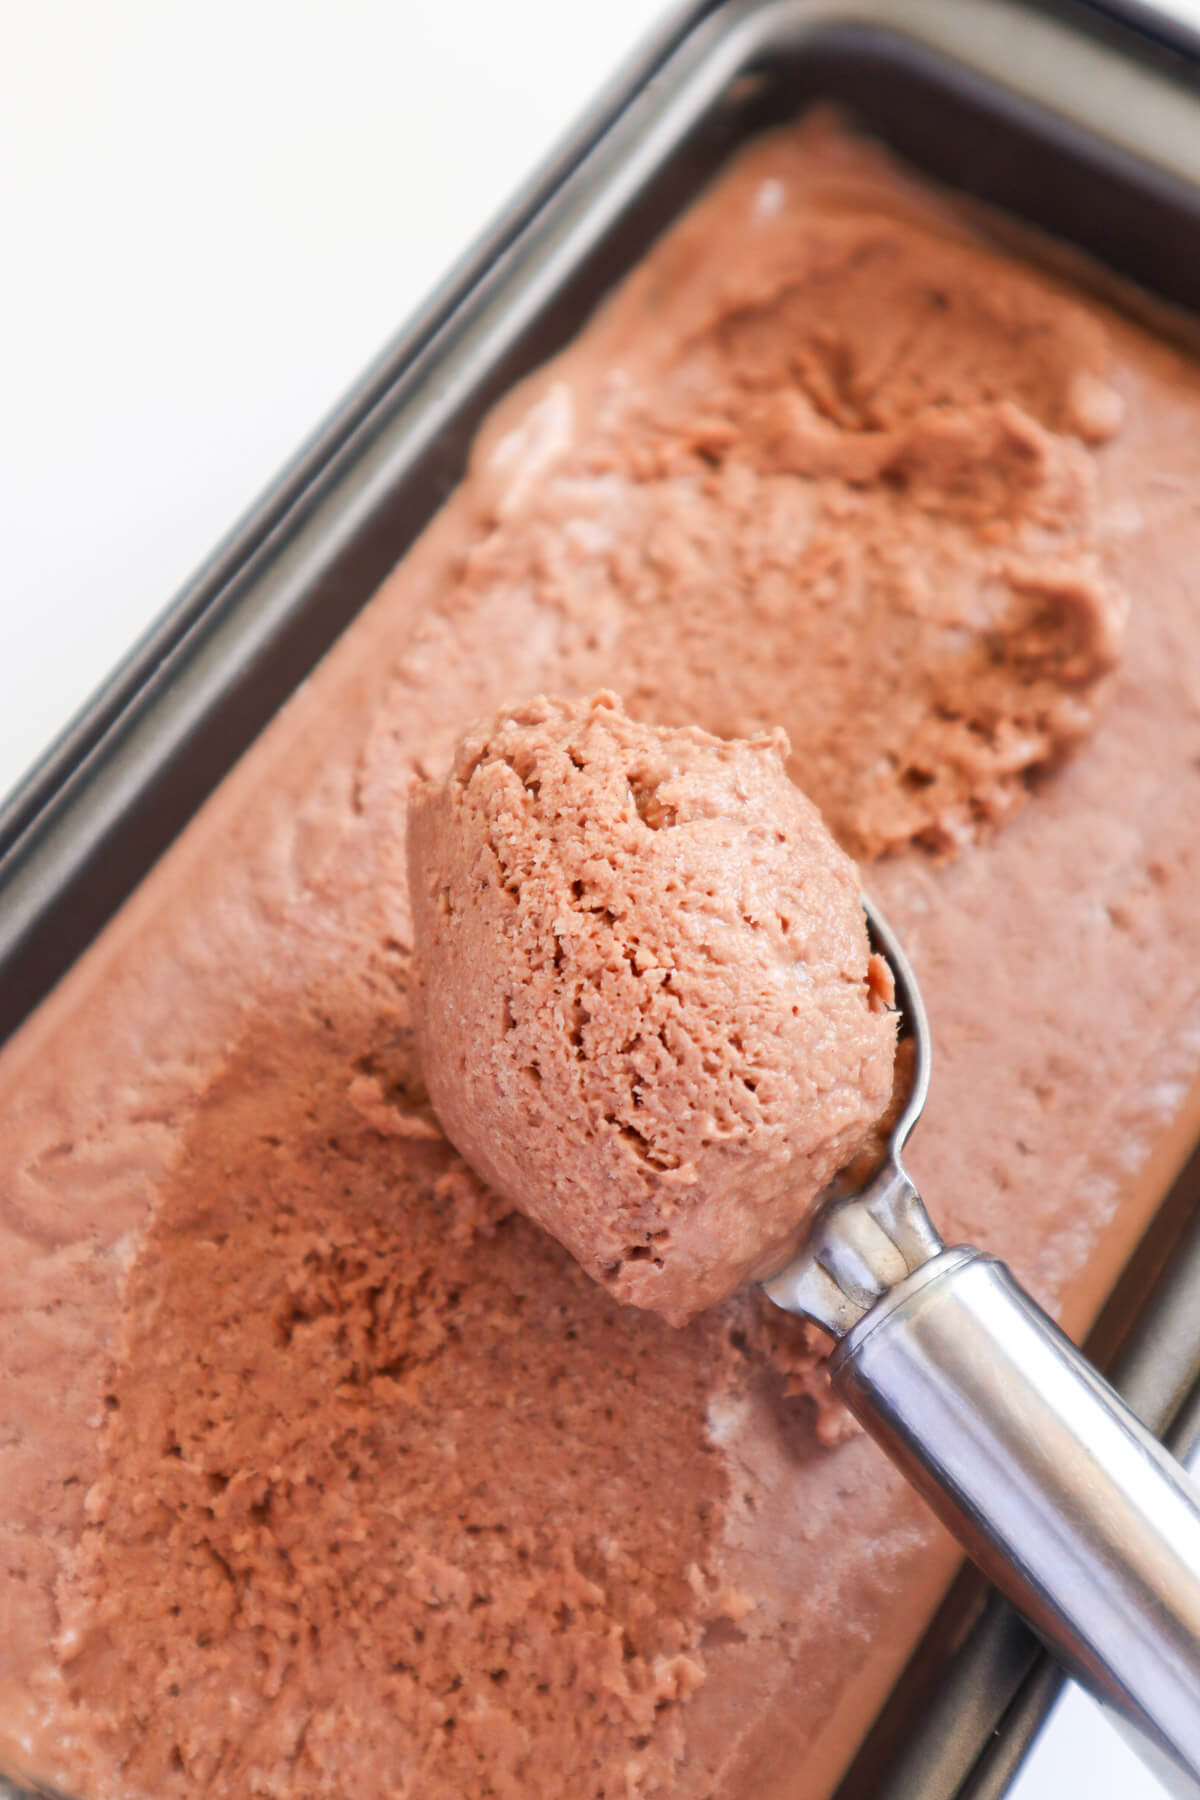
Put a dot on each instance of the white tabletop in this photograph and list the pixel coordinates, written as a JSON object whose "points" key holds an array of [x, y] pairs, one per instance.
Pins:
{"points": [[212, 217]]}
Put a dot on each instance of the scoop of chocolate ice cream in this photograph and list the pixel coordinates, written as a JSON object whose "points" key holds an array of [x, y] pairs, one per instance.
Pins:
{"points": [[650, 1016]]}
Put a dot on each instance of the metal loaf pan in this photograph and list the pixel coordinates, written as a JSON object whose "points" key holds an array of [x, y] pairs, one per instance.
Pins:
{"points": [[1078, 120]]}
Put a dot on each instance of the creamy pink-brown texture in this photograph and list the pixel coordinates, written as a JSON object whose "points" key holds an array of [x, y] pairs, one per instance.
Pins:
{"points": [[648, 1013], [320, 1471]]}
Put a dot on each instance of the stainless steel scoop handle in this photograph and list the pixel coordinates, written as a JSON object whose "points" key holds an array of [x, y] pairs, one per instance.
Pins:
{"points": [[1052, 1485], [1059, 1493]]}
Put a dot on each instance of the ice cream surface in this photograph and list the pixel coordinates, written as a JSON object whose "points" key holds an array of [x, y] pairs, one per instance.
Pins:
{"points": [[648, 1012], [325, 1471]]}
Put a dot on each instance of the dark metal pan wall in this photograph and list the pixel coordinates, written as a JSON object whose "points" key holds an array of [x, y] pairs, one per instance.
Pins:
{"points": [[1066, 116]]}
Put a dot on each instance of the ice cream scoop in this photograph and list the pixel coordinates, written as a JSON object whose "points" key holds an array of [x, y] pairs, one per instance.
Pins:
{"points": [[1049, 1481], [650, 1016], [653, 1018]]}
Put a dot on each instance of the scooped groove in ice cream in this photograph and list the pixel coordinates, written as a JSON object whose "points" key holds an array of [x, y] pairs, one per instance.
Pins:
{"points": [[649, 1014]]}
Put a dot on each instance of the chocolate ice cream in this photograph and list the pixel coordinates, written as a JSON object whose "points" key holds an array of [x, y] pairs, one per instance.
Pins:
{"points": [[322, 1470], [648, 1014]]}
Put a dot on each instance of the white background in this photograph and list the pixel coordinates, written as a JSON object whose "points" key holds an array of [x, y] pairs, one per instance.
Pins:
{"points": [[211, 218]]}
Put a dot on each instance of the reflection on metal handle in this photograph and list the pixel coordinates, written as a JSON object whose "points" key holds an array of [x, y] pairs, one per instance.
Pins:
{"points": [[1051, 1484]]}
